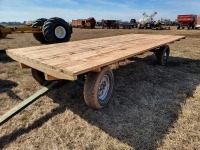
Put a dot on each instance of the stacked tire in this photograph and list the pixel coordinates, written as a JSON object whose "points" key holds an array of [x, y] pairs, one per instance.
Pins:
{"points": [[39, 36], [54, 30]]}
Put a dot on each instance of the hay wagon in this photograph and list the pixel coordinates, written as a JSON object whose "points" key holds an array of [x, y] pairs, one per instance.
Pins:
{"points": [[90, 59]]}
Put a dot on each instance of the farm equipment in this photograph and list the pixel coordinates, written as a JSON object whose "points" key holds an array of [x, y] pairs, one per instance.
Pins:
{"points": [[53, 30], [188, 21], [128, 25], [147, 22], [110, 24], [198, 22], [4, 31], [84, 23], [77, 59]]}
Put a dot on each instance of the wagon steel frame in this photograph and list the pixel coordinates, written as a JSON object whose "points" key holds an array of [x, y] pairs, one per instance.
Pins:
{"points": [[4, 31]]}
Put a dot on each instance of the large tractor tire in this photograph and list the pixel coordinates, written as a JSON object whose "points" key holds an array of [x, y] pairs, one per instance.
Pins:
{"points": [[39, 36], [39, 22], [56, 30]]}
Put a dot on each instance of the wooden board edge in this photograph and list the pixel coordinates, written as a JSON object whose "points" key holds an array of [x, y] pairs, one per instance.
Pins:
{"points": [[49, 77], [43, 68], [23, 66]]}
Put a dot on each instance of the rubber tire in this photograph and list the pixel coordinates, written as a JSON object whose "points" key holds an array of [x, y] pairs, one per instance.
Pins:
{"points": [[193, 27], [39, 22], [49, 30], [39, 36], [160, 55], [91, 87], [71, 30], [38, 76]]}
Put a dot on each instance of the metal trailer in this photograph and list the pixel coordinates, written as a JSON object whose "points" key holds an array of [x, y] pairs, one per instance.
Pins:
{"points": [[188, 21], [53, 30], [77, 23], [128, 25], [90, 63], [110, 24], [84, 23]]}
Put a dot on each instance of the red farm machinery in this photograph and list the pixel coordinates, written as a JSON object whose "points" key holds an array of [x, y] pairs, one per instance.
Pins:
{"points": [[188, 21]]}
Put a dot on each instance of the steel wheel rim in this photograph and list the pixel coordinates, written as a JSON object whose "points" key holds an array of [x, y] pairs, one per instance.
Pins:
{"points": [[60, 32], [165, 56], [104, 87]]}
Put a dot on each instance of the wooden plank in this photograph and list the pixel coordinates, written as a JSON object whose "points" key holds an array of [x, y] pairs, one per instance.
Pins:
{"points": [[44, 68], [23, 66], [77, 46], [82, 45], [115, 56], [49, 77], [68, 60], [97, 70]]}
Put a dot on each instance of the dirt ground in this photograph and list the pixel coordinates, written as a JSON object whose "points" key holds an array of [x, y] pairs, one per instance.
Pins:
{"points": [[152, 107]]}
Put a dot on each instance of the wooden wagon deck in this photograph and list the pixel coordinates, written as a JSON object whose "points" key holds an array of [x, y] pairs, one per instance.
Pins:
{"points": [[68, 60]]}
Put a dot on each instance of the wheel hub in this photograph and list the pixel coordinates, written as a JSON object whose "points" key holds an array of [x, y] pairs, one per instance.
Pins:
{"points": [[165, 56], [104, 88], [60, 32]]}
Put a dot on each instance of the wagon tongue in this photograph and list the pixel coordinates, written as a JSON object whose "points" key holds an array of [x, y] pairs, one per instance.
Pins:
{"points": [[21, 106]]}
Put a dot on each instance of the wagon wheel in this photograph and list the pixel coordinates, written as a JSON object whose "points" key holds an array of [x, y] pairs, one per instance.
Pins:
{"points": [[39, 36], [193, 27], [56, 30], [98, 88], [162, 55], [39, 22], [38, 76]]}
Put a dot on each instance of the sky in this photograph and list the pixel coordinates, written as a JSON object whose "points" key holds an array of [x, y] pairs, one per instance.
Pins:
{"points": [[25, 10]]}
